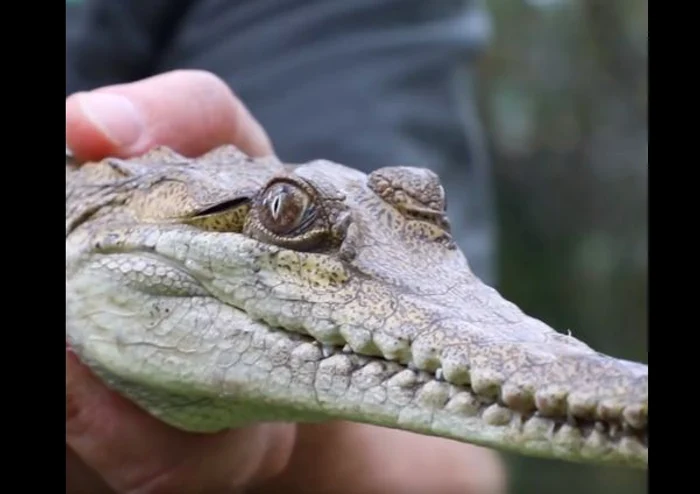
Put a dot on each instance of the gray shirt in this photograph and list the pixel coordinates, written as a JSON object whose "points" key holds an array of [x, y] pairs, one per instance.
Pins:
{"points": [[367, 83]]}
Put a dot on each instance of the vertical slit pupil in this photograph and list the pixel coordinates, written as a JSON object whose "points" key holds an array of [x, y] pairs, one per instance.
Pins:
{"points": [[276, 206]]}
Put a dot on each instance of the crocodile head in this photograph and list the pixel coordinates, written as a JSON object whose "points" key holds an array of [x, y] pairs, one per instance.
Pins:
{"points": [[221, 290]]}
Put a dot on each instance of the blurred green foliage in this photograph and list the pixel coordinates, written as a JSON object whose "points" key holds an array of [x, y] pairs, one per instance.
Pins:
{"points": [[563, 91]]}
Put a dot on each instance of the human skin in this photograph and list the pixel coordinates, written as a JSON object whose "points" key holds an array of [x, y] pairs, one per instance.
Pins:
{"points": [[113, 446]]}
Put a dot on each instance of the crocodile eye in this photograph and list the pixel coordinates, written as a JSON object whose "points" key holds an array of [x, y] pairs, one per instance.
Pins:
{"points": [[294, 213], [285, 209]]}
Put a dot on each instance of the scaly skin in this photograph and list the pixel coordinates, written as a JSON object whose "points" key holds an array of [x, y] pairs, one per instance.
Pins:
{"points": [[182, 297]]}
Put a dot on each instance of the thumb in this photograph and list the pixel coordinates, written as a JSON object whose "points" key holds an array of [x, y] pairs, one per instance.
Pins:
{"points": [[190, 111]]}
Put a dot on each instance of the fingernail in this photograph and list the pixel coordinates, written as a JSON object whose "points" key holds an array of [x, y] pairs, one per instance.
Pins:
{"points": [[114, 115]]}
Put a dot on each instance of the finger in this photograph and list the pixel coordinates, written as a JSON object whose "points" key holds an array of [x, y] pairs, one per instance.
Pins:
{"points": [[187, 110], [81, 479], [350, 458], [132, 451]]}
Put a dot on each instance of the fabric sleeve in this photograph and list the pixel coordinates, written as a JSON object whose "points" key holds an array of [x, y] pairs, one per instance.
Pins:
{"points": [[110, 41]]}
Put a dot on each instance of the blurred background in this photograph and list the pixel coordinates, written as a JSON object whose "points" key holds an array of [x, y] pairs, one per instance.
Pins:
{"points": [[563, 95]]}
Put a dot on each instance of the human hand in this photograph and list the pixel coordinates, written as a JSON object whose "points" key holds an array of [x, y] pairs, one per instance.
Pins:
{"points": [[113, 446]]}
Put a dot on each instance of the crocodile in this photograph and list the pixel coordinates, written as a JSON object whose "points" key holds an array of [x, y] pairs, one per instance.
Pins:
{"points": [[223, 290]]}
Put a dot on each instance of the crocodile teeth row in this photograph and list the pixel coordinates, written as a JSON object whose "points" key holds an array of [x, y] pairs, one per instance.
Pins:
{"points": [[555, 401], [449, 363], [550, 403], [406, 385]]}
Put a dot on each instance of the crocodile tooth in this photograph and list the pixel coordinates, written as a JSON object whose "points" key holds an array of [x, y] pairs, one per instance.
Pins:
{"points": [[636, 416], [392, 348], [346, 349], [595, 444], [463, 403], [426, 350], [327, 350], [551, 401], [582, 404], [538, 428], [360, 340], [486, 382], [632, 446], [324, 331], [497, 415], [455, 365], [614, 430], [439, 374], [401, 388], [434, 394], [404, 379], [569, 436], [518, 398], [609, 410]]}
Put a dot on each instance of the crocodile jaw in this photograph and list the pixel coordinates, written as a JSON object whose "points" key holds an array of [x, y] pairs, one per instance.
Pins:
{"points": [[209, 331]]}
